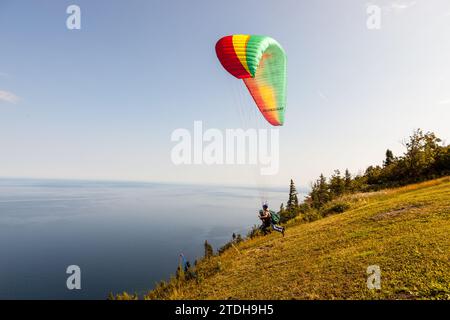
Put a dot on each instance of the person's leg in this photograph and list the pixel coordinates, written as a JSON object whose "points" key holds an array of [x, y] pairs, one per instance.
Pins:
{"points": [[277, 228], [267, 224], [263, 229]]}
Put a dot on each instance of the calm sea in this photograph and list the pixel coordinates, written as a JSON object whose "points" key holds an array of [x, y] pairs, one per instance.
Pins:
{"points": [[123, 236]]}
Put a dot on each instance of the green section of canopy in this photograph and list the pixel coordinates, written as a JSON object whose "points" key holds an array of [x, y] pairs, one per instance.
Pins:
{"points": [[266, 61]]}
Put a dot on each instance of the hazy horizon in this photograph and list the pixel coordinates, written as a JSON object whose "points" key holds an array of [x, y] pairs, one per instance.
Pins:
{"points": [[281, 188]]}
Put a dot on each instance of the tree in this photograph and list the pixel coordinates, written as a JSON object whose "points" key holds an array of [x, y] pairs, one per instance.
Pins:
{"points": [[347, 181], [337, 184], [292, 203], [389, 158], [320, 193], [209, 252], [421, 152], [179, 275], [282, 208], [441, 165], [373, 175], [187, 266]]}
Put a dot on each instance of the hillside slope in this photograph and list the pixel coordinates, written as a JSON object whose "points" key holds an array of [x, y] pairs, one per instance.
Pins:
{"points": [[405, 231]]}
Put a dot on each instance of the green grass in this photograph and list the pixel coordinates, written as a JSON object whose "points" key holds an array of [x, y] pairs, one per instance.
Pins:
{"points": [[405, 231]]}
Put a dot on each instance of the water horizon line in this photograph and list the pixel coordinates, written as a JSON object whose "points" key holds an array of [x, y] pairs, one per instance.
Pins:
{"points": [[111, 182]]}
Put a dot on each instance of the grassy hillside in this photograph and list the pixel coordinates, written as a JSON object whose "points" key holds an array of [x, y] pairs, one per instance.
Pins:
{"points": [[406, 231]]}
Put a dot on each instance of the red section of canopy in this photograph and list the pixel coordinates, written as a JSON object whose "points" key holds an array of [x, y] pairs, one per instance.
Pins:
{"points": [[228, 58]]}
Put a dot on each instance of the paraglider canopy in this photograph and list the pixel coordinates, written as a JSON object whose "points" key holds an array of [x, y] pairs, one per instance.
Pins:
{"points": [[260, 62]]}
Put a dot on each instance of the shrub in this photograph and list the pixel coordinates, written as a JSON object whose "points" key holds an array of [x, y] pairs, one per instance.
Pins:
{"points": [[311, 215], [255, 231], [335, 207]]}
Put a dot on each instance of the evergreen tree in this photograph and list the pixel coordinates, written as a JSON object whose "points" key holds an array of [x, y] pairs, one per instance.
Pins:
{"points": [[180, 276], [323, 191], [292, 203], [337, 184], [320, 193], [187, 266], [347, 181], [389, 158], [209, 252]]}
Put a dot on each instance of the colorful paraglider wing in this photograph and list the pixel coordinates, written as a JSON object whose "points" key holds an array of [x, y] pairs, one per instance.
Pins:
{"points": [[261, 62]]}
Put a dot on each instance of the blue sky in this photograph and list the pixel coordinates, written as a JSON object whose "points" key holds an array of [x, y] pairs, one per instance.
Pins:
{"points": [[102, 102]]}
